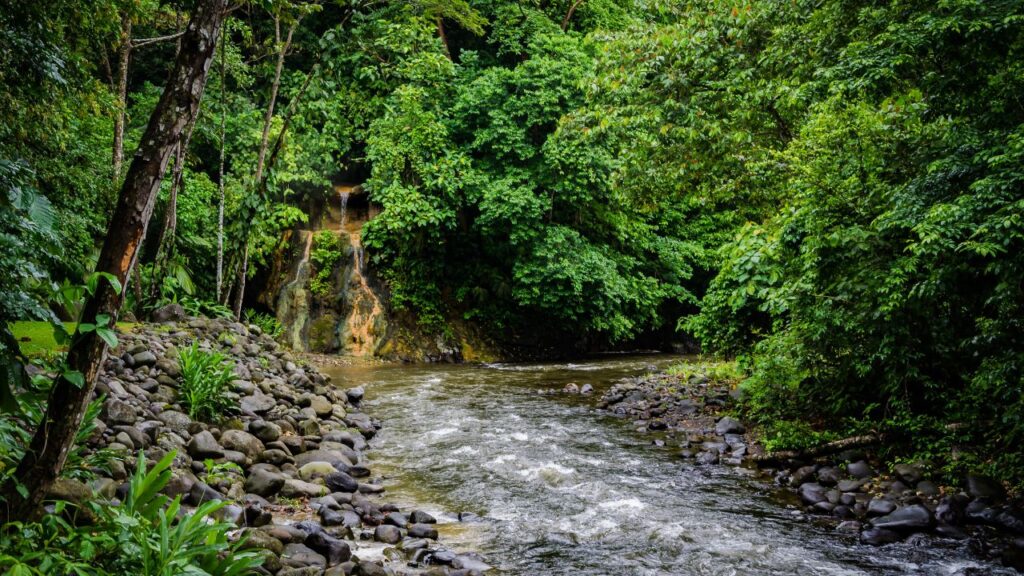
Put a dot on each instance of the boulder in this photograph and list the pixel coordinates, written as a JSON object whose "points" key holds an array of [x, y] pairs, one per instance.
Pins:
{"points": [[423, 531], [421, 517], [169, 313], [881, 507], [176, 421], [300, 556], [909, 474], [729, 425], [298, 489], [118, 412], [912, 518], [335, 550], [144, 358], [257, 403], [203, 445], [387, 534], [341, 482], [242, 442], [985, 487], [263, 482], [812, 493], [265, 431]]}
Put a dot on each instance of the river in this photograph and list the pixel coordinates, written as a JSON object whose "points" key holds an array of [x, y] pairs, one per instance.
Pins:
{"points": [[548, 485]]}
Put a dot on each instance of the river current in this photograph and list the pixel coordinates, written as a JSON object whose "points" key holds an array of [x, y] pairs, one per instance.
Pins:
{"points": [[548, 485]]}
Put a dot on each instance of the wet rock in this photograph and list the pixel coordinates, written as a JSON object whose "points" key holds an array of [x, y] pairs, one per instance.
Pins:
{"points": [[1013, 555], [369, 569], [421, 517], [314, 470], [423, 531], [906, 519], [387, 534], [321, 406], [341, 482], [571, 388], [586, 389], [729, 425], [1012, 520], [927, 488], [860, 469], [203, 445], [849, 485], [950, 510], [980, 512], [879, 536], [707, 458], [396, 519], [329, 456], [829, 476], [355, 395], [801, 475], [812, 493], [881, 507]]}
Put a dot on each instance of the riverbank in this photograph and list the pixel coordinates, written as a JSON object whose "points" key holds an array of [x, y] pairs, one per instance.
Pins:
{"points": [[851, 489], [290, 457]]}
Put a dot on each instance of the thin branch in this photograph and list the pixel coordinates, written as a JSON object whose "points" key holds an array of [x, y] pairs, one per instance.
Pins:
{"points": [[147, 41], [568, 15]]}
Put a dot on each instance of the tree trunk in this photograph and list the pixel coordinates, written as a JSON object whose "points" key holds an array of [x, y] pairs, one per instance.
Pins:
{"points": [[124, 54], [821, 450], [178, 105], [240, 296], [220, 175], [444, 38], [568, 15]]}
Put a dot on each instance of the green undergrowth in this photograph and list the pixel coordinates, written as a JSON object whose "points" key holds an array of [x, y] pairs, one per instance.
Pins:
{"points": [[716, 370]]}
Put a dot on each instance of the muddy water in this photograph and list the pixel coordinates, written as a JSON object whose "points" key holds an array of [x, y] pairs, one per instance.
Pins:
{"points": [[550, 486]]}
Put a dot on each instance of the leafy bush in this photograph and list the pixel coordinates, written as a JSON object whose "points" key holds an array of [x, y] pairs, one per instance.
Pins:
{"points": [[143, 535], [327, 252], [205, 380], [267, 323]]}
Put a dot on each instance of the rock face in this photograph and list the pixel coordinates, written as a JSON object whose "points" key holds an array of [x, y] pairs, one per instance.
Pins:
{"points": [[292, 442]]}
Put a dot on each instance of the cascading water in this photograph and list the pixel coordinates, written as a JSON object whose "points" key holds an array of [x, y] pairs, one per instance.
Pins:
{"points": [[363, 326], [293, 303]]}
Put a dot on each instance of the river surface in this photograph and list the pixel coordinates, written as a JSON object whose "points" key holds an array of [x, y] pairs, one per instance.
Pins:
{"points": [[553, 486]]}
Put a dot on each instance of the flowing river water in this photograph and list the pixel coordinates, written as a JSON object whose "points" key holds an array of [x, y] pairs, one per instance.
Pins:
{"points": [[548, 485]]}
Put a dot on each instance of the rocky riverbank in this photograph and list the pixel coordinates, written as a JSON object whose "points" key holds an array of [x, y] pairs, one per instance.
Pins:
{"points": [[289, 458], [851, 490]]}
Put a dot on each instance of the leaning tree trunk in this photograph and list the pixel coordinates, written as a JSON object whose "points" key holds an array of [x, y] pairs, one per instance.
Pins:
{"points": [[178, 105]]}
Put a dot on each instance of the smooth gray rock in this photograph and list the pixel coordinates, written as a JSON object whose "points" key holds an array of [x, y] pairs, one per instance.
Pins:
{"points": [[263, 482], [203, 445], [243, 442], [985, 487], [387, 534], [912, 518], [729, 425]]}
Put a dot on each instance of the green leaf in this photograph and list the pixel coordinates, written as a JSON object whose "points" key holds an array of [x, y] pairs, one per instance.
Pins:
{"points": [[75, 377]]}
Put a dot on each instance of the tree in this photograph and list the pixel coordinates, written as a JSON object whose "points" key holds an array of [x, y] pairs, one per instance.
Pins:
{"points": [[72, 390]]}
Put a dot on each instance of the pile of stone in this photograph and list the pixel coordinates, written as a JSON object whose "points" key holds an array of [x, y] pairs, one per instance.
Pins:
{"points": [[687, 410], [854, 491], [289, 459]]}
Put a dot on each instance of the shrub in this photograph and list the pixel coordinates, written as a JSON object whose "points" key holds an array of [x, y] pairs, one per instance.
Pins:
{"points": [[267, 323], [205, 380], [141, 536], [327, 252]]}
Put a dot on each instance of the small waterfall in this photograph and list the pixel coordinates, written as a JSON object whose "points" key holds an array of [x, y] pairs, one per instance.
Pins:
{"points": [[343, 194], [293, 303], [363, 326]]}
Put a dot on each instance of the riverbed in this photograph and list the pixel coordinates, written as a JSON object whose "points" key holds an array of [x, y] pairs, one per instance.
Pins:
{"points": [[548, 485]]}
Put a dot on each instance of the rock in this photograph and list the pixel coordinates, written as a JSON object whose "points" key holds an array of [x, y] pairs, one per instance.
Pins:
{"points": [[276, 457], [300, 555], [118, 412], [203, 445], [571, 388], [421, 517], [257, 403], [1013, 555], [829, 476], [1012, 520], [138, 437], [242, 442], [927, 488], [812, 493], [176, 421], [298, 489], [879, 536], [315, 470], [322, 406], [586, 389], [912, 518], [369, 569], [260, 540], [950, 509], [981, 512], [329, 456], [144, 358], [265, 431], [264, 482], [729, 425], [851, 485], [985, 487], [355, 395], [201, 493], [341, 482], [707, 458], [387, 534], [335, 550], [881, 507], [909, 474], [396, 519], [423, 531], [169, 313]]}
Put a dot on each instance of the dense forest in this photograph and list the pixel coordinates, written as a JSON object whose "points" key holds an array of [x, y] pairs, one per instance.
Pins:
{"points": [[830, 192]]}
